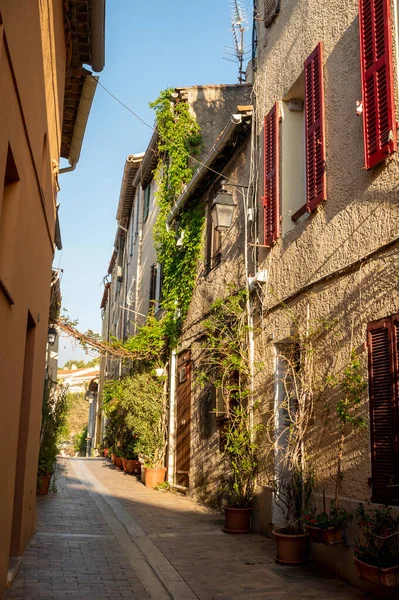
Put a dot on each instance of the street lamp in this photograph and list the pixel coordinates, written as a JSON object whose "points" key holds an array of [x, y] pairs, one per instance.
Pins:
{"points": [[222, 210], [51, 335]]}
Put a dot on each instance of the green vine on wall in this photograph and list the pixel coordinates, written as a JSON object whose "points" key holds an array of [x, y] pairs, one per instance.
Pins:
{"points": [[179, 137]]}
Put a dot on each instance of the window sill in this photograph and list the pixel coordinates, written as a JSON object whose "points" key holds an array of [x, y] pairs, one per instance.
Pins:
{"points": [[299, 213]]}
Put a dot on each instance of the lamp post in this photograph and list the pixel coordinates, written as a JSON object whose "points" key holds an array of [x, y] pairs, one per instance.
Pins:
{"points": [[51, 335], [222, 210]]}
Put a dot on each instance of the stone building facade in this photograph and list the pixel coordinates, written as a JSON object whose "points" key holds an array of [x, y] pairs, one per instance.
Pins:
{"points": [[134, 275], [38, 42], [323, 247]]}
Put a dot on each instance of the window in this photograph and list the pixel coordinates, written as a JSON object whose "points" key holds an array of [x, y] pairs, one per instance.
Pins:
{"points": [[138, 200], [383, 358], [8, 225], [293, 162], [158, 287], [314, 138], [132, 233], [379, 123], [147, 198], [299, 167], [272, 9], [153, 283]]}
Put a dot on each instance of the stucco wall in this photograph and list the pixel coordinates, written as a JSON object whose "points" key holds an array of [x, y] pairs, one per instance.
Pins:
{"points": [[24, 127], [360, 214]]}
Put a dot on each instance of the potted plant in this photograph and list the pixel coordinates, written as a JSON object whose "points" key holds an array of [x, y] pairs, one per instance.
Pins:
{"points": [[54, 415], [143, 400], [293, 490], [131, 463], [118, 458], [240, 449], [377, 547], [44, 474], [327, 527]]}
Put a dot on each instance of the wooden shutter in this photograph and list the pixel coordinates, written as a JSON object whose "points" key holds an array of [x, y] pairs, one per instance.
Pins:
{"points": [[379, 124], [271, 198], [383, 371], [272, 8], [316, 191]]}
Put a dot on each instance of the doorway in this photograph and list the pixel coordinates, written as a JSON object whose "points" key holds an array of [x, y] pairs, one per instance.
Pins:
{"points": [[23, 433]]}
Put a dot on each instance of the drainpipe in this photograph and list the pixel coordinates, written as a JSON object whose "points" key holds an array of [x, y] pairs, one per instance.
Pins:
{"points": [[86, 99], [97, 35], [172, 420]]}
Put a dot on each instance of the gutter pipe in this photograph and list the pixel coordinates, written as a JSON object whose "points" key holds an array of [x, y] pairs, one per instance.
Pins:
{"points": [[172, 417], [219, 145], [97, 35], [86, 99]]}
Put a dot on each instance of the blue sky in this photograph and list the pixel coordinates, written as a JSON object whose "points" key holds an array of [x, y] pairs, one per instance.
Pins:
{"points": [[149, 46]]}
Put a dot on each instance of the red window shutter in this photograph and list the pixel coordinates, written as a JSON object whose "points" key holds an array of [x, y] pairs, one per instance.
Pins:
{"points": [[271, 198], [383, 368], [379, 123], [316, 191]]}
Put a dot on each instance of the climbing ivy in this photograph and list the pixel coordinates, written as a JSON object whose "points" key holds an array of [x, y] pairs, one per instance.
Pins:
{"points": [[179, 138]]}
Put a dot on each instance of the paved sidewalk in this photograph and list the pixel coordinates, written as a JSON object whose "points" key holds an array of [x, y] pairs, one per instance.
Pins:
{"points": [[105, 536]]}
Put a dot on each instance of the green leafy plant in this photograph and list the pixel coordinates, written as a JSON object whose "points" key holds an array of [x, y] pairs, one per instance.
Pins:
{"points": [[143, 401], [293, 491], [164, 487], [353, 386], [378, 541], [54, 416], [224, 361], [335, 517], [179, 137], [80, 442], [240, 448]]}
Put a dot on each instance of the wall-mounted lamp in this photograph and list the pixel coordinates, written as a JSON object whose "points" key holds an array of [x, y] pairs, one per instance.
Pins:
{"points": [[222, 210], [51, 335]]}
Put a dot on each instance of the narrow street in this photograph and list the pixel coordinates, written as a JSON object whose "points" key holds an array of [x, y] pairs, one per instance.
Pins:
{"points": [[105, 536]]}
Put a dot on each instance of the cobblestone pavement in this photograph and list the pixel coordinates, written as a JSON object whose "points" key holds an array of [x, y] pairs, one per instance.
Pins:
{"points": [[105, 536]]}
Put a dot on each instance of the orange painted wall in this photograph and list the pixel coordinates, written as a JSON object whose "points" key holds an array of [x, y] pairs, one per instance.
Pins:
{"points": [[32, 75]]}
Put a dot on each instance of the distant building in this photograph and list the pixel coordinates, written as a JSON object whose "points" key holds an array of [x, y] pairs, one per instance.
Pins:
{"points": [[135, 277], [77, 380]]}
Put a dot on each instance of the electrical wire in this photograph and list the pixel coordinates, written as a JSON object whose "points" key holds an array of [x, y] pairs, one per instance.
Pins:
{"points": [[200, 163]]}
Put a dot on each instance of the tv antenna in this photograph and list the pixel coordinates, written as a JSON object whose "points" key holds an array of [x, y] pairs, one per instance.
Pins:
{"points": [[239, 51]]}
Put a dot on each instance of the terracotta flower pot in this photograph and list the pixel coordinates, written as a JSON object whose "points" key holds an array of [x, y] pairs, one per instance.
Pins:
{"points": [[105, 453], [113, 457], [131, 466], [118, 462], [154, 476], [43, 484], [143, 474], [324, 535], [237, 520], [291, 549], [385, 577]]}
